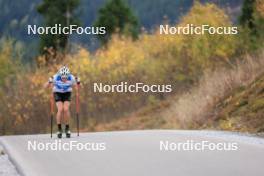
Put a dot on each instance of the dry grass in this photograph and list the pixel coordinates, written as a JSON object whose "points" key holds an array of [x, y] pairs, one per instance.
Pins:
{"points": [[197, 106]]}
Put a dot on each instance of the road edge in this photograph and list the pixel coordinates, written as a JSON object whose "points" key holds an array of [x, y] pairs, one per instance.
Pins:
{"points": [[11, 158]]}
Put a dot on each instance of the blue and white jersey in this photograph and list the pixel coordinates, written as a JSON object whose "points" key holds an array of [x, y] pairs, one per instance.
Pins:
{"points": [[60, 86]]}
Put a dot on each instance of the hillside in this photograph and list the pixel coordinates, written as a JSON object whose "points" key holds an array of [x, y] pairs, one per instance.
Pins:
{"points": [[241, 109], [149, 117]]}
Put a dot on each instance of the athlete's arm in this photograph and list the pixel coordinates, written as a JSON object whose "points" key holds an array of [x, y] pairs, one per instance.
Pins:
{"points": [[49, 83]]}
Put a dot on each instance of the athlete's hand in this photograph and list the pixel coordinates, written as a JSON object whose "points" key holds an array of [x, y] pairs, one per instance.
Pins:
{"points": [[50, 80], [78, 80]]}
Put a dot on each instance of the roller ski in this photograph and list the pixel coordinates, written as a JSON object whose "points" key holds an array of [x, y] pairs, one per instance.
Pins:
{"points": [[59, 134], [67, 132]]}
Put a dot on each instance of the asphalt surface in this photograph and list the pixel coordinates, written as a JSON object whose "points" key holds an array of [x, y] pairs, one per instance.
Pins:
{"points": [[138, 153]]}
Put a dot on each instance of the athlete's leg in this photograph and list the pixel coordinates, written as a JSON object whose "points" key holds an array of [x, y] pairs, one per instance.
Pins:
{"points": [[59, 105], [66, 112]]}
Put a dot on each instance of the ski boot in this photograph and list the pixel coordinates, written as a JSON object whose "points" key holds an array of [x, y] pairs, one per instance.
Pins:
{"points": [[68, 133], [59, 134]]}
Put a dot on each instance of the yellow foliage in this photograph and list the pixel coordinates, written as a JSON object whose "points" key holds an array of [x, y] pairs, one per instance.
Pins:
{"points": [[6, 65], [260, 7], [122, 56], [81, 62], [152, 59], [206, 49]]}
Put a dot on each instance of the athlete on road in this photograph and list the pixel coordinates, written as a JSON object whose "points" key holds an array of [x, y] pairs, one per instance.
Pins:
{"points": [[62, 83]]}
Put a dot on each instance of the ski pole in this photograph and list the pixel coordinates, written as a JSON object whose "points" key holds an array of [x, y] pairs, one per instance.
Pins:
{"points": [[51, 123], [77, 104], [51, 110]]}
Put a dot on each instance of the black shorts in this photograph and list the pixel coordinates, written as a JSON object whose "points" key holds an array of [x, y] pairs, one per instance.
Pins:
{"points": [[58, 96]]}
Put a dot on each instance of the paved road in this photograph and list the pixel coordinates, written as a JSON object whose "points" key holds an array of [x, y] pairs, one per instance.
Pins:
{"points": [[137, 153]]}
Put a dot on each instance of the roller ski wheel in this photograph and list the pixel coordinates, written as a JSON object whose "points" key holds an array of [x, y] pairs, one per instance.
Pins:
{"points": [[68, 133], [59, 134]]}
